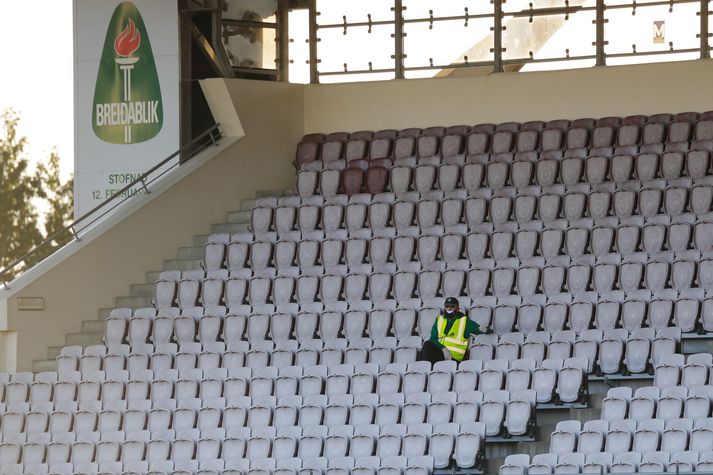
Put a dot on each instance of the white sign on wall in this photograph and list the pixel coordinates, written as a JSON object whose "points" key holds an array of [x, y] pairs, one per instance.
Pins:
{"points": [[126, 59]]}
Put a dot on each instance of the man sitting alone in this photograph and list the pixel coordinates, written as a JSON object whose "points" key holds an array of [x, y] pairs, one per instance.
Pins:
{"points": [[450, 335]]}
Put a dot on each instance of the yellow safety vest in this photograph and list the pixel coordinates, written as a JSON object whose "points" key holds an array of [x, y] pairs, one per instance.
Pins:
{"points": [[455, 340]]}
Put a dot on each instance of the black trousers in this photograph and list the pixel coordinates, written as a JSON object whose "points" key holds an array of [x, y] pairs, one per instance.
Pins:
{"points": [[430, 352]]}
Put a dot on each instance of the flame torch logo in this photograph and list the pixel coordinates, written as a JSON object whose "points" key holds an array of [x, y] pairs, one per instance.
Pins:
{"points": [[127, 97], [125, 45]]}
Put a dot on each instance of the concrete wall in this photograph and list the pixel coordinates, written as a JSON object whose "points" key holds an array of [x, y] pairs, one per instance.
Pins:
{"points": [[594, 92], [274, 117], [74, 290]]}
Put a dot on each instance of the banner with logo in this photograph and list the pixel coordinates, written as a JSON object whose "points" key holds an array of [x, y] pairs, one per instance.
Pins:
{"points": [[126, 94]]}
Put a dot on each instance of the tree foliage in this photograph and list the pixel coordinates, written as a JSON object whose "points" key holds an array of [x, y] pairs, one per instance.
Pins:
{"points": [[23, 188]]}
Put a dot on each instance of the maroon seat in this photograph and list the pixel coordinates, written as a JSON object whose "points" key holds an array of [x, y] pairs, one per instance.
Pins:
{"points": [[381, 162], [376, 179], [318, 138], [380, 148], [609, 121], [451, 145], [661, 118], [484, 128], [360, 163], [537, 125], [332, 151], [437, 131], [352, 180], [561, 124], [306, 152], [355, 150], [478, 142], [428, 146], [634, 120], [686, 116], [412, 132], [583, 124], [458, 130], [386, 134], [337, 137], [508, 127], [362, 135]]}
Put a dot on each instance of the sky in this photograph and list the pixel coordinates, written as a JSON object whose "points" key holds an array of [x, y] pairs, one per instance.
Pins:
{"points": [[36, 47]]}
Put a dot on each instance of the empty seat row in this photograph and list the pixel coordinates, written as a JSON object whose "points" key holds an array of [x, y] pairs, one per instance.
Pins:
{"points": [[109, 456], [387, 213], [650, 402], [604, 241], [262, 352], [637, 351], [464, 441], [606, 462], [691, 370], [609, 279], [575, 141], [454, 180], [538, 125], [212, 325], [180, 374], [667, 432]]}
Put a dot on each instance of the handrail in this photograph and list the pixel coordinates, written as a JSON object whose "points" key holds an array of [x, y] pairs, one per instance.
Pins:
{"points": [[198, 144]]}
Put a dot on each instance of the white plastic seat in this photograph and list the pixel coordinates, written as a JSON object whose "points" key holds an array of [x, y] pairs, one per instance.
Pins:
{"points": [[675, 437], [564, 438], [611, 350], [569, 463], [642, 405], [571, 379], [638, 349], [515, 464], [542, 464], [619, 437], [544, 379], [519, 412]]}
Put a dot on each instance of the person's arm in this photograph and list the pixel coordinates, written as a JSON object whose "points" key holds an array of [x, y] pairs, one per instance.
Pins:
{"points": [[472, 328], [434, 336]]}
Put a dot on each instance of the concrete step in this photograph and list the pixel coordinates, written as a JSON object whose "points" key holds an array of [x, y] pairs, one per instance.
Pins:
{"points": [[182, 264], [543, 432], [247, 205], [585, 415], [238, 217], [230, 228], [595, 400], [93, 326], [103, 313], [492, 466], [190, 252], [532, 448], [152, 276], [133, 302], [53, 352], [199, 240], [83, 339], [267, 193], [44, 365], [141, 290], [550, 417]]}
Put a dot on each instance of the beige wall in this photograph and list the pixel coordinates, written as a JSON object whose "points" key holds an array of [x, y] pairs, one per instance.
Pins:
{"points": [[74, 290], [593, 92], [275, 116]]}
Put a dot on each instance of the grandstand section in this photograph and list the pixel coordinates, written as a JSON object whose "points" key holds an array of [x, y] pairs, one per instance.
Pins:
{"points": [[568, 211]]}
